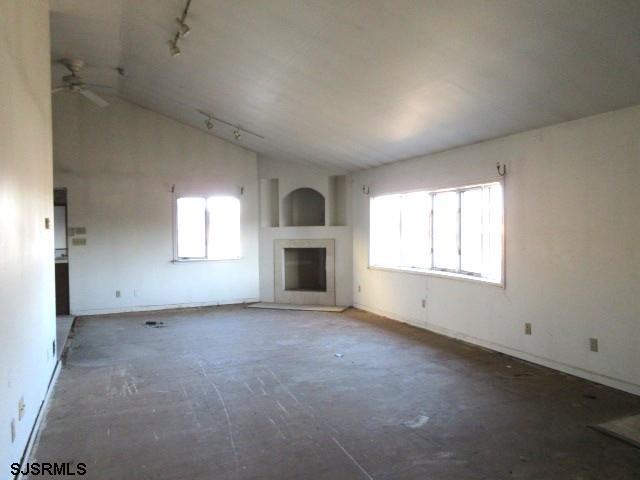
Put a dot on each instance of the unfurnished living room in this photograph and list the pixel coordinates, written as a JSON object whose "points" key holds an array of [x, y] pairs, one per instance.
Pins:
{"points": [[320, 239]]}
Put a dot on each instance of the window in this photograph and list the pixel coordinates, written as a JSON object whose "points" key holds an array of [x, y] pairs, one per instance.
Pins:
{"points": [[207, 228], [456, 231]]}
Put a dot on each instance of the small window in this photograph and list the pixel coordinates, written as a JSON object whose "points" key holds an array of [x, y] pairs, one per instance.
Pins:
{"points": [[208, 228], [456, 231]]}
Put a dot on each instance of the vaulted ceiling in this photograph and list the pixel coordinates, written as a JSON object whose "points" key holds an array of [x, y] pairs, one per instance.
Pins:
{"points": [[349, 84]]}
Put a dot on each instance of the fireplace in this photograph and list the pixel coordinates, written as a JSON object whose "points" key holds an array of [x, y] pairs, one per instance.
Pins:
{"points": [[304, 271]]}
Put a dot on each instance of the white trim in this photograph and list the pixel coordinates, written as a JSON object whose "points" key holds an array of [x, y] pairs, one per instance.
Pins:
{"points": [[440, 274], [590, 375], [172, 306]]}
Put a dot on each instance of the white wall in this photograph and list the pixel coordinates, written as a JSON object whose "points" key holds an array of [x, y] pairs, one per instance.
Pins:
{"points": [[290, 177], [27, 297], [118, 164], [572, 248]]}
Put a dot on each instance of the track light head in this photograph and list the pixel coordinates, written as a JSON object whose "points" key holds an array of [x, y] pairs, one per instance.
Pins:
{"points": [[237, 134], [208, 123], [184, 29], [174, 49]]}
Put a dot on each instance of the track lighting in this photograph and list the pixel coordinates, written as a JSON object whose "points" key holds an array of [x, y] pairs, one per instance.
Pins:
{"points": [[184, 29], [174, 49], [237, 129]]}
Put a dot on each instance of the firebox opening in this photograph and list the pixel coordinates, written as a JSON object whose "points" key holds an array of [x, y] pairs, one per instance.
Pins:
{"points": [[305, 269]]}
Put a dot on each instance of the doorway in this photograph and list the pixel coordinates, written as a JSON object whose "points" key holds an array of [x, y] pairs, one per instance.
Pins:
{"points": [[61, 251]]}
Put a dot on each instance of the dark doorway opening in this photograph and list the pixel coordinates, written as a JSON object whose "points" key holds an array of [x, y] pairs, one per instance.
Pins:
{"points": [[61, 251]]}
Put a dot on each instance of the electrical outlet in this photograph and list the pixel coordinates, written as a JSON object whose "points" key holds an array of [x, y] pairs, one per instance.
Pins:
{"points": [[359, 288], [424, 303], [593, 344], [21, 408], [13, 430], [527, 329], [117, 293], [47, 223]]}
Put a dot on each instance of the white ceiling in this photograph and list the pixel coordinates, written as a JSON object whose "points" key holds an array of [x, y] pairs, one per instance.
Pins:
{"points": [[357, 83]]}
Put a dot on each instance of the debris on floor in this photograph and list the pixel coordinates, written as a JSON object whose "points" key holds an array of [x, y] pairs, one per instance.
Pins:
{"points": [[417, 422], [154, 324]]}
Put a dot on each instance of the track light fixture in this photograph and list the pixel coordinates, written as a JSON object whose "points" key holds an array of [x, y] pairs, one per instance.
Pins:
{"points": [[183, 28], [174, 49], [237, 129], [183, 31]]}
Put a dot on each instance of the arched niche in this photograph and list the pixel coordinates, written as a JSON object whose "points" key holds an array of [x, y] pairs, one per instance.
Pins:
{"points": [[303, 207]]}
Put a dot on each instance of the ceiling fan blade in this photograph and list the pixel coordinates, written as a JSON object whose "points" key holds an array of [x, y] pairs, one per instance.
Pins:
{"points": [[98, 100]]}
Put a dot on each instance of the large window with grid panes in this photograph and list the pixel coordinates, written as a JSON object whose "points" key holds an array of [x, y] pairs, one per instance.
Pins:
{"points": [[456, 231]]}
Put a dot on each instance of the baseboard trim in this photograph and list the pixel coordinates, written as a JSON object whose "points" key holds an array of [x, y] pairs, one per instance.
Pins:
{"points": [[592, 376], [33, 435], [153, 308]]}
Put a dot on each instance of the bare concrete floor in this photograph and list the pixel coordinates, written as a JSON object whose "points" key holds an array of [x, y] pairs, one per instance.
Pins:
{"points": [[234, 393], [63, 328]]}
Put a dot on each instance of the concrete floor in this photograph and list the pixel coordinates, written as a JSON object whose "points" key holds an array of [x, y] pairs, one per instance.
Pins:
{"points": [[63, 328], [235, 393]]}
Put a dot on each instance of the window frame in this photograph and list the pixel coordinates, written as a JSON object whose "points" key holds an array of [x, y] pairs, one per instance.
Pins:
{"points": [[176, 257], [441, 272]]}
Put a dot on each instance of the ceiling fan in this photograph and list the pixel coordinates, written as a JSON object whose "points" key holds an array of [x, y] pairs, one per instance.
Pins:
{"points": [[74, 83]]}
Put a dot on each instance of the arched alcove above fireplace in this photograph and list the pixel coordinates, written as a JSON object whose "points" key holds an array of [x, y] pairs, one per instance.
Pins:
{"points": [[303, 207]]}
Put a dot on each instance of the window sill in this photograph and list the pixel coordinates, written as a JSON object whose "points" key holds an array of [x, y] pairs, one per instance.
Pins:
{"points": [[199, 260], [436, 273]]}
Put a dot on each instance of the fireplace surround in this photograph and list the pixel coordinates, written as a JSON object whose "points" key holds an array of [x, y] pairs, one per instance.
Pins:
{"points": [[304, 271]]}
